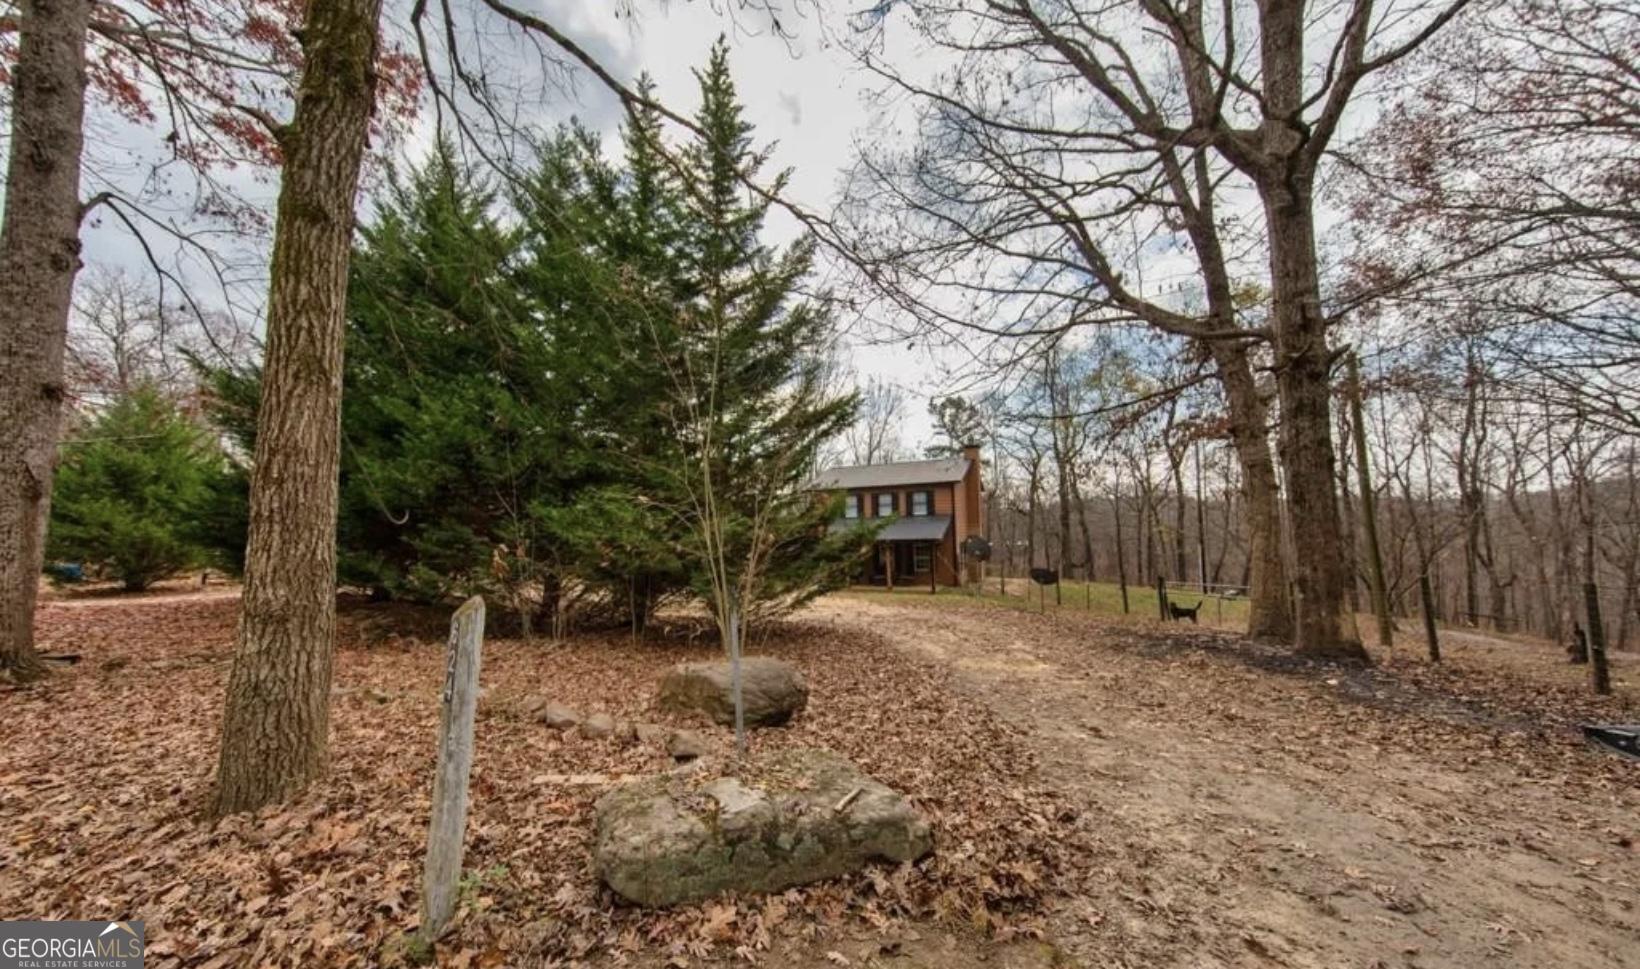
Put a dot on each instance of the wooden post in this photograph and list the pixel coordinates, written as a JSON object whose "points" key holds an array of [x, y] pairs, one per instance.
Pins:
{"points": [[447, 828], [1161, 596], [933, 568], [888, 547]]}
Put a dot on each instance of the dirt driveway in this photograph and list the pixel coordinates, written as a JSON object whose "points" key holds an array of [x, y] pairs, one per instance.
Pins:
{"points": [[1255, 811]]}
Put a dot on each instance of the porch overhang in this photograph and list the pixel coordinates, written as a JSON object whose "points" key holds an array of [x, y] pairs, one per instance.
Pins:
{"points": [[917, 528]]}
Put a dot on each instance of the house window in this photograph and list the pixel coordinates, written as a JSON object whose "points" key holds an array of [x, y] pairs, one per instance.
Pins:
{"points": [[851, 506], [885, 504], [920, 500], [924, 560]]}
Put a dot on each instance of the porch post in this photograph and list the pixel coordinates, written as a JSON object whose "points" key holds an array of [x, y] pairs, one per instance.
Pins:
{"points": [[933, 568]]}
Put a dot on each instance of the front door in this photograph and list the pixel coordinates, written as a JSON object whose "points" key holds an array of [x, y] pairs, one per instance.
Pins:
{"points": [[905, 559]]}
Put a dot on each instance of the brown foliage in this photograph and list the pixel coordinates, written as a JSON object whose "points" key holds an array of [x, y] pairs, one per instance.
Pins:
{"points": [[103, 786]]}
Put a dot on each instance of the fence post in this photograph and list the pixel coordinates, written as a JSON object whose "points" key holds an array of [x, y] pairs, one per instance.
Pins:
{"points": [[447, 828], [1161, 596]]}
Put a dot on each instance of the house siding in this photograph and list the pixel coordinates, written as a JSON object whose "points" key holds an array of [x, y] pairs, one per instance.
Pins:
{"points": [[961, 500]]}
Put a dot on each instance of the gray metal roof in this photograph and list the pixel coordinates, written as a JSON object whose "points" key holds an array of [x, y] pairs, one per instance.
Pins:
{"points": [[915, 528], [896, 475]]}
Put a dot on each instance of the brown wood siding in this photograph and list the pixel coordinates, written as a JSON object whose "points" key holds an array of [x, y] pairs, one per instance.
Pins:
{"points": [[949, 498]]}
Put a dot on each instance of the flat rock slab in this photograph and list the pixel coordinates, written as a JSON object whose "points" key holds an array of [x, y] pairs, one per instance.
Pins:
{"points": [[772, 691], [809, 815]]}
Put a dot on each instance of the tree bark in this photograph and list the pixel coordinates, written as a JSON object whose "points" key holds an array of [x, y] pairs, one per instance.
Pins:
{"points": [[1121, 546], [1181, 567], [1369, 512], [1302, 379], [276, 727], [39, 257], [1600, 679], [1267, 613], [1426, 599], [1087, 532]]}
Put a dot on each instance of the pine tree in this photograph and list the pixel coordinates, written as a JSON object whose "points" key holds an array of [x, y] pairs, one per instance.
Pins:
{"points": [[752, 401], [134, 486], [512, 417]]}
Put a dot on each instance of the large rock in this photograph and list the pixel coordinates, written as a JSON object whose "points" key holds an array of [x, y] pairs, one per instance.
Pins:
{"points": [[772, 691], [598, 726], [666, 840]]}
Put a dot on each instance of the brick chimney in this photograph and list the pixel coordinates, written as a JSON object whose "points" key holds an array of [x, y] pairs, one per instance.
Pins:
{"points": [[972, 484]]}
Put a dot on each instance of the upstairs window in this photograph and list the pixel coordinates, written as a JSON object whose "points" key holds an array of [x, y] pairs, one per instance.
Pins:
{"points": [[922, 502], [851, 506], [885, 504]]}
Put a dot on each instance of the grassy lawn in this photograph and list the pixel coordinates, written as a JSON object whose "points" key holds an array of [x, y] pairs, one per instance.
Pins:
{"points": [[1098, 598]]}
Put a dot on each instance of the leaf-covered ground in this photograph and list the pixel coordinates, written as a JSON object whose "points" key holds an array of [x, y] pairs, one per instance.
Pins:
{"points": [[108, 763], [1259, 811], [1106, 793]]}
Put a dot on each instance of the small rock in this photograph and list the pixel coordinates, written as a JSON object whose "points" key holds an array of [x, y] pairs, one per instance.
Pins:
{"points": [[559, 717], [598, 726], [651, 733], [626, 731], [686, 745]]}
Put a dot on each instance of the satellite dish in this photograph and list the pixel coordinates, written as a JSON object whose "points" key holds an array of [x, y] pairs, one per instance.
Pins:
{"points": [[977, 547]]}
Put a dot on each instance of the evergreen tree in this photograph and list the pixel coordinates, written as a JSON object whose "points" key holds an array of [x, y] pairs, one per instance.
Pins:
{"points": [[512, 416], [958, 421], [134, 488], [747, 380]]}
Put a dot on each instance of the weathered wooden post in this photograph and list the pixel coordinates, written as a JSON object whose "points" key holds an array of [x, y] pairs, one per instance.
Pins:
{"points": [[1161, 596], [447, 829]]}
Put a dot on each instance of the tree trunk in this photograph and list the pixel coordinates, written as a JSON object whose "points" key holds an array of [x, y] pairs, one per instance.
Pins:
{"points": [[1267, 612], [1181, 570], [1426, 599], [1121, 546], [1030, 513], [39, 256], [1302, 379], [1600, 677], [275, 731], [1348, 519], [1369, 512], [1087, 533]]}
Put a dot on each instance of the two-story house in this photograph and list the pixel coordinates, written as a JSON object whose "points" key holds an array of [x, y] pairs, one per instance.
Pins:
{"points": [[935, 505]]}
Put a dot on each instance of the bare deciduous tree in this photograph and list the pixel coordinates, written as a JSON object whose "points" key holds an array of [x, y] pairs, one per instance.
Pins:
{"points": [[874, 438]]}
